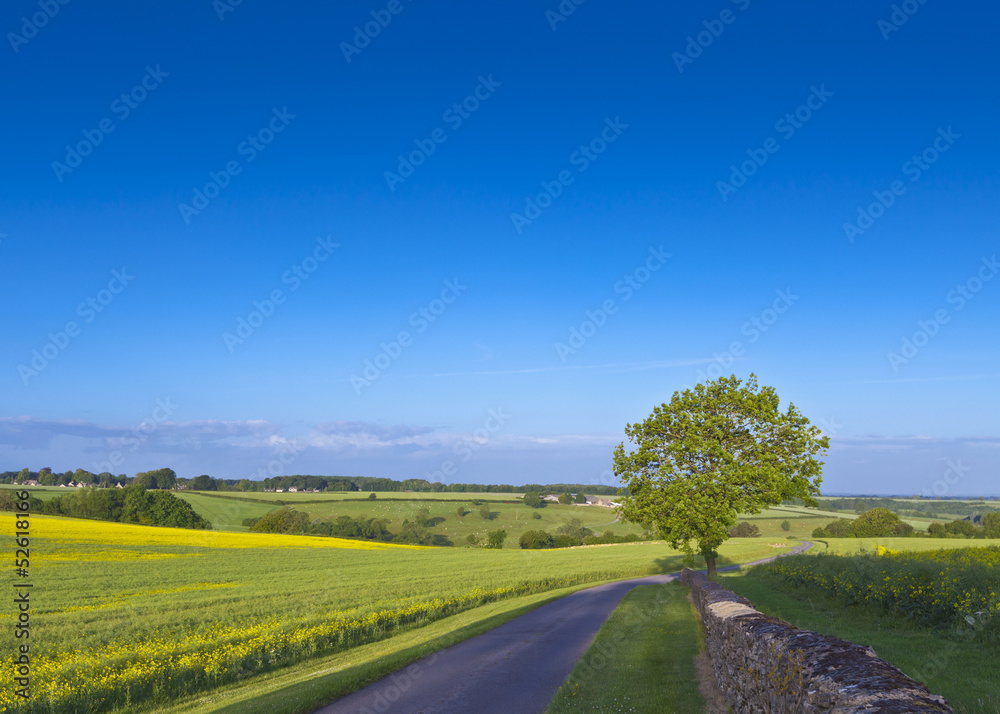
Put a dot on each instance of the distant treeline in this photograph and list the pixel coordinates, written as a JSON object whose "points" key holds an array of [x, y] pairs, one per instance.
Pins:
{"points": [[133, 504], [925, 508], [286, 520], [165, 478]]}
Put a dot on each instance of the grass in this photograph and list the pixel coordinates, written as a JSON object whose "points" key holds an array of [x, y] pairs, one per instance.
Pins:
{"points": [[930, 606], [850, 546], [296, 690], [226, 512], [120, 600], [642, 660]]}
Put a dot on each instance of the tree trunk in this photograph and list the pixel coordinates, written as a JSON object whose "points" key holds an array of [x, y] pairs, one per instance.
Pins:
{"points": [[710, 562]]}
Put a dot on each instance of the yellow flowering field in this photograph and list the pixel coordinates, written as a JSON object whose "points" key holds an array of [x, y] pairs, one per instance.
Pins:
{"points": [[957, 588], [125, 616]]}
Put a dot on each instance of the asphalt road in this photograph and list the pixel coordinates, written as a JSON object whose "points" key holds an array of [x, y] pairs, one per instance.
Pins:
{"points": [[512, 669]]}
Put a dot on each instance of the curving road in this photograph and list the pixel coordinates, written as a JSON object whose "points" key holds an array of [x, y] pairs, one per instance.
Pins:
{"points": [[515, 667]]}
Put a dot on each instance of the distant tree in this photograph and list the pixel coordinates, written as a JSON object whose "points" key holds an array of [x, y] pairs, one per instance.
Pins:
{"points": [[937, 530], [565, 499], [244, 484], [715, 451], [532, 499], [991, 524], [744, 529], [495, 539], [534, 540], [575, 530], [145, 480], [580, 498], [840, 528], [472, 539], [423, 515], [202, 483], [372, 496], [485, 512], [961, 529], [786, 525], [461, 512], [875, 523]]}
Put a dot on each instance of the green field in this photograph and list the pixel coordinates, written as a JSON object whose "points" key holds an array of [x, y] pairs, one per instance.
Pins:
{"points": [[117, 596], [931, 609]]}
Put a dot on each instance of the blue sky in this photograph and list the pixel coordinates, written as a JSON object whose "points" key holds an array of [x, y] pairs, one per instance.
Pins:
{"points": [[258, 199]]}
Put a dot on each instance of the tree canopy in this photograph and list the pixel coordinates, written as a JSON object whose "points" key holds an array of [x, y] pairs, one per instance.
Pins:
{"points": [[720, 449]]}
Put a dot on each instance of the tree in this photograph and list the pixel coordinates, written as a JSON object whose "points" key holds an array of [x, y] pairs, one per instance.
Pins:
{"points": [[495, 539], [580, 498], [461, 512], [786, 525], [714, 451], [744, 529], [991, 524], [534, 540], [423, 515], [565, 499], [202, 483], [372, 496], [875, 523], [532, 499], [485, 512]]}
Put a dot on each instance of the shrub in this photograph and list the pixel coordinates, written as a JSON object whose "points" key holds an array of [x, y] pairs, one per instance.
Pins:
{"points": [[423, 515], [461, 512], [534, 540], [372, 496], [495, 539], [840, 528], [575, 529], [566, 541], [937, 530], [283, 520], [786, 525], [744, 529], [537, 516], [532, 499], [485, 512], [961, 529], [820, 533], [472, 539]]}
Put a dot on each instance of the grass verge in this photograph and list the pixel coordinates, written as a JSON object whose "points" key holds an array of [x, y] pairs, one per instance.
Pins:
{"points": [[642, 660], [308, 686], [963, 673]]}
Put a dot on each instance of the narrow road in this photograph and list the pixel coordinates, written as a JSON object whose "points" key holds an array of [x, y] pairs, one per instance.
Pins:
{"points": [[515, 667]]}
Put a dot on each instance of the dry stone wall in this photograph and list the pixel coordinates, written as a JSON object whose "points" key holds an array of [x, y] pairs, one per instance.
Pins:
{"points": [[766, 665]]}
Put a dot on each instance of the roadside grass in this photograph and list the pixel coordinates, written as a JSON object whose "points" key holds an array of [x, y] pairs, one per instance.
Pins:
{"points": [[642, 660], [307, 687], [962, 672]]}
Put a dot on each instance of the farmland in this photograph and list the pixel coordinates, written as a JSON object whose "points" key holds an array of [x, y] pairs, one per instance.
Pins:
{"points": [[930, 606], [198, 609]]}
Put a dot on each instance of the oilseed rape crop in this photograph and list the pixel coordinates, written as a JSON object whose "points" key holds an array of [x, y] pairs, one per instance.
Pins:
{"points": [[958, 588], [128, 616]]}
